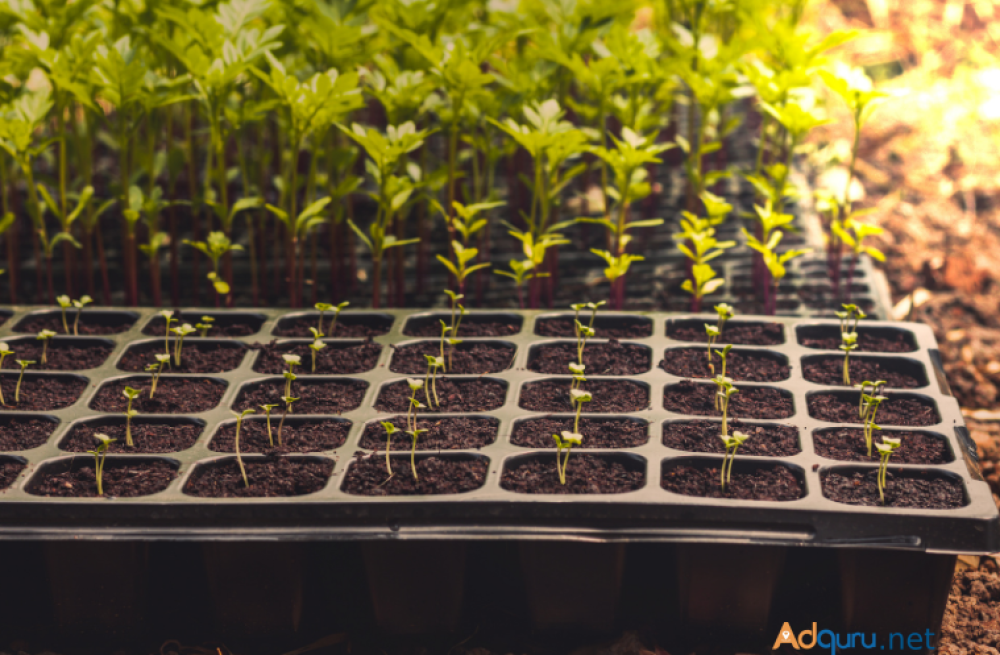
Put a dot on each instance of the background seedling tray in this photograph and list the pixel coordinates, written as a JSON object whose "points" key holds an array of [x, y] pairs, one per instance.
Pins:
{"points": [[648, 514]]}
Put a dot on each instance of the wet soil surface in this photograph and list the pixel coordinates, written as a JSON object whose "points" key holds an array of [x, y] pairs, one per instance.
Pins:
{"points": [[771, 483], [597, 433], [600, 358], [848, 445], [830, 370], [121, 479], [269, 477], [450, 433], [25, 433], [919, 493], [867, 342], [195, 357], [469, 328], [368, 476], [59, 356], [585, 474], [335, 358], [41, 393], [464, 359], [90, 325], [347, 327], [9, 471], [454, 395], [173, 396], [315, 396], [752, 334], [971, 623], [297, 436], [698, 398], [564, 327], [147, 437], [609, 396], [740, 366], [894, 411], [766, 440], [223, 326]]}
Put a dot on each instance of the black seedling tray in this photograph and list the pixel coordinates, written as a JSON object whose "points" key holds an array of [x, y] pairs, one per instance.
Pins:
{"points": [[647, 514]]}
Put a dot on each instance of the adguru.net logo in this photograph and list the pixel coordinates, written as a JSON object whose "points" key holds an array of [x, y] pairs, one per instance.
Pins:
{"points": [[831, 641]]}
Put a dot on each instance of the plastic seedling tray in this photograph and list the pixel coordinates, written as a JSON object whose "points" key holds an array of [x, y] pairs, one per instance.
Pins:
{"points": [[489, 511]]}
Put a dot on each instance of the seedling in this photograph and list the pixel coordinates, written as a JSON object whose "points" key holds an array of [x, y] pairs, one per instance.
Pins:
{"points": [[23, 363], [205, 325], [267, 413], [100, 453], [584, 332], [577, 371], [289, 401], [732, 444], [315, 347], [849, 343], [131, 394], [445, 330], [181, 332], [725, 392], [64, 304], [851, 312], [578, 397], [4, 352], [157, 369], [725, 312], [236, 442], [79, 305], [411, 412], [433, 364], [168, 317], [217, 245], [885, 451], [458, 312], [316, 334], [390, 429], [415, 435], [565, 442], [712, 333], [723, 355], [322, 307], [461, 269], [44, 337], [291, 361], [868, 408]]}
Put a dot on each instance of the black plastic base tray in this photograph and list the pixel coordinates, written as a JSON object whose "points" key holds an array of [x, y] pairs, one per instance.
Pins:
{"points": [[649, 513]]}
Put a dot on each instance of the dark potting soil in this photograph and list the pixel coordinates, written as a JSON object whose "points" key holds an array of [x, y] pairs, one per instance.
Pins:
{"points": [[90, 324], [223, 326], [600, 358], [452, 433], [465, 359], [703, 437], [597, 433], [764, 483], [609, 396], [315, 396], [25, 433], [922, 493], [585, 474], [830, 370], [698, 398], [173, 396], [297, 436], [867, 342], [565, 327], [195, 357], [121, 479], [269, 477], [41, 393], [455, 395], [9, 470], [848, 444], [335, 358], [148, 437], [59, 356], [347, 327], [740, 366], [500, 327], [894, 411], [743, 334], [368, 476]]}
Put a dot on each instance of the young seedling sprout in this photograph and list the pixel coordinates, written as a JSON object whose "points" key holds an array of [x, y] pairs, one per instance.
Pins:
{"points": [[267, 413], [333, 321], [732, 444], [577, 397], [578, 379], [712, 333], [100, 453], [849, 342], [181, 332], [445, 329], [156, 369], [236, 442], [322, 308], [390, 429], [868, 408], [44, 337], [725, 312], [168, 317], [721, 377], [849, 334], [23, 363], [4, 352], [565, 442], [205, 325], [726, 390], [415, 435], [131, 394], [288, 400], [315, 347], [291, 361], [64, 304], [433, 364], [885, 451], [79, 305]]}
